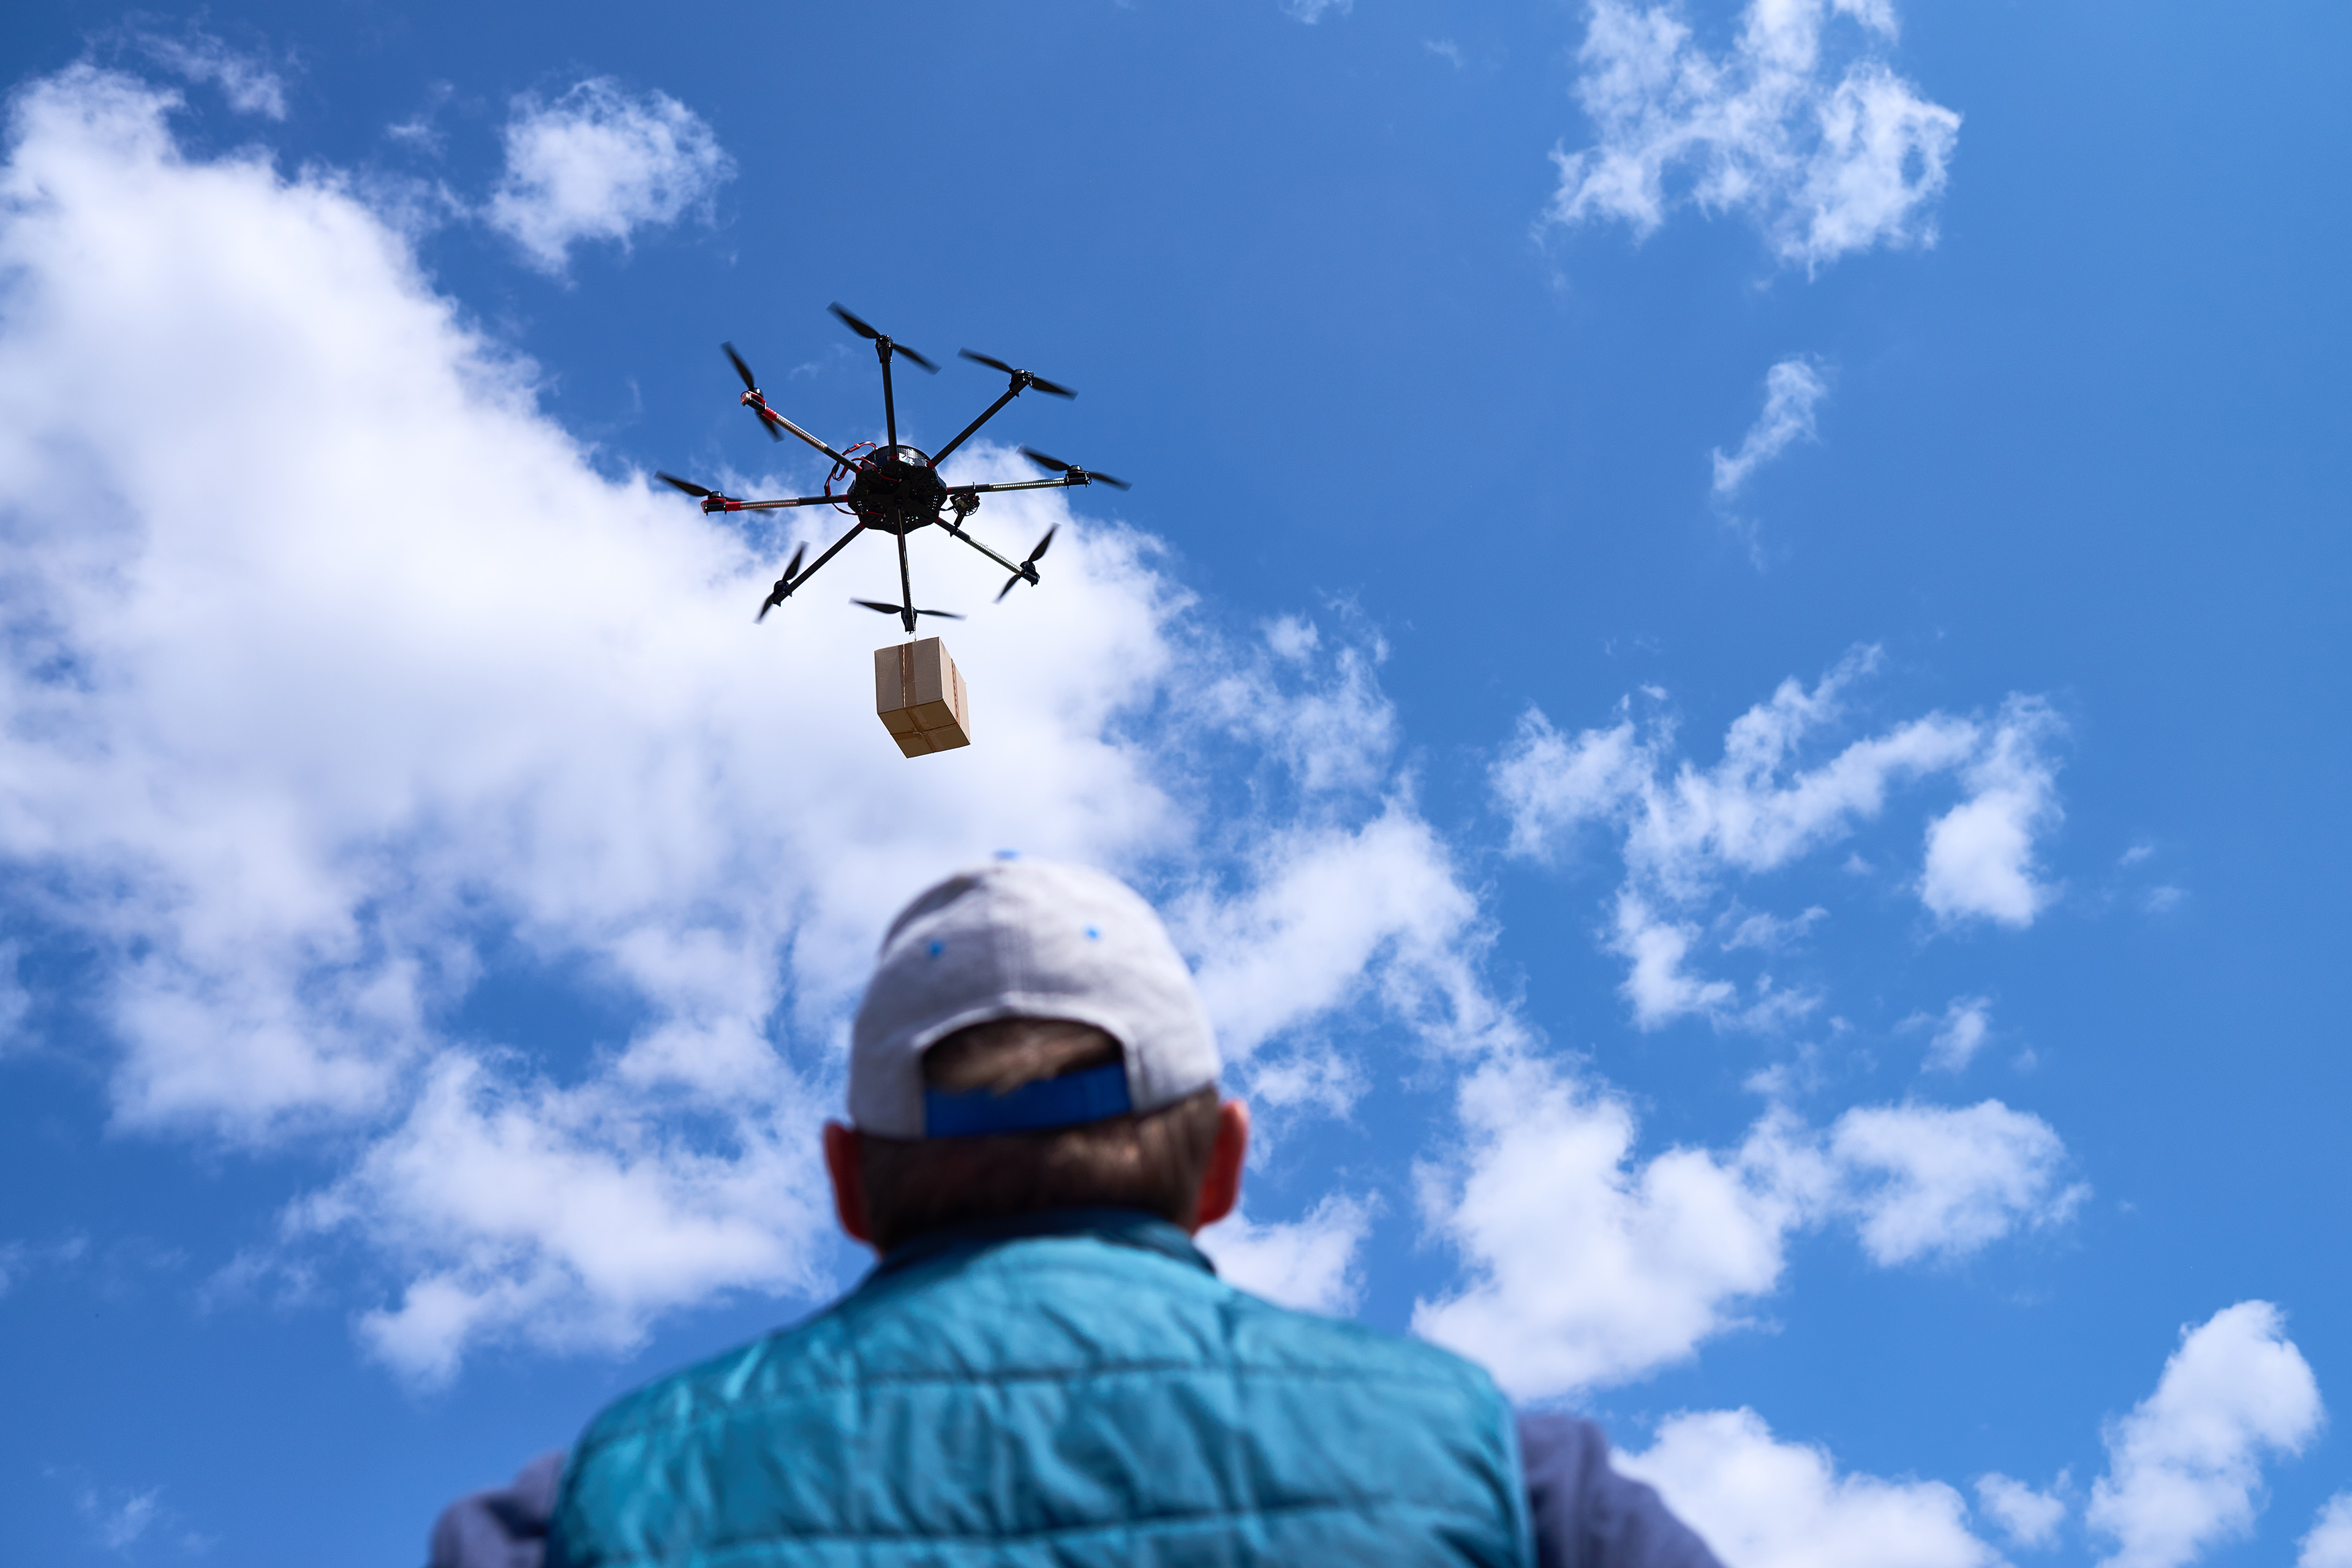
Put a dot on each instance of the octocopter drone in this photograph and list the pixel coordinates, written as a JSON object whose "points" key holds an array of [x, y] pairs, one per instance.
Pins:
{"points": [[895, 487]]}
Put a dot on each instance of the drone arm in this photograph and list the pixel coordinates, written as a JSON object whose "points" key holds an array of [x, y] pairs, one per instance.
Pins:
{"points": [[1011, 392], [772, 505], [828, 555], [956, 531], [1065, 482], [760, 406], [890, 402]]}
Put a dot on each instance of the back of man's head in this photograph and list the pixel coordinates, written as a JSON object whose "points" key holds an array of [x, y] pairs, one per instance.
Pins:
{"points": [[1031, 1040]]}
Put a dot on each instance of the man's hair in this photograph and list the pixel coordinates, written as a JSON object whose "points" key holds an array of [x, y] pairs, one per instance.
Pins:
{"points": [[1151, 1161]]}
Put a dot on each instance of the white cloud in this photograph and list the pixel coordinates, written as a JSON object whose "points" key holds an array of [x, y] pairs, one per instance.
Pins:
{"points": [[1826, 161], [1551, 786], [570, 1216], [118, 1517], [1329, 732], [1925, 1181], [1658, 985], [1770, 933], [1309, 1263], [298, 779], [1962, 1031], [599, 164], [250, 86], [1763, 1503], [1586, 1266], [2184, 1469], [15, 1000], [2028, 1519], [2329, 1543], [1980, 853], [1791, 390], [119, 1523], [1683, 832], [1313, 11]]}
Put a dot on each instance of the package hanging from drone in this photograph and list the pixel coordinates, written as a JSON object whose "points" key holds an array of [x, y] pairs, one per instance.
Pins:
{"points": [[920, 693]]}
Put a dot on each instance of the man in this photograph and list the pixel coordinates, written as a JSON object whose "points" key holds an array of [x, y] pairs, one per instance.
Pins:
{"points": [[1042, 1368]]}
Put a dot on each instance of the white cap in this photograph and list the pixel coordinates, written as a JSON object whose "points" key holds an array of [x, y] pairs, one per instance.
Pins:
{"points": [[1026, 938]]}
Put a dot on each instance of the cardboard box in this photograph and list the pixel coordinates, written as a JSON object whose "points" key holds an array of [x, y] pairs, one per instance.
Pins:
{"points": [[920, 693]]}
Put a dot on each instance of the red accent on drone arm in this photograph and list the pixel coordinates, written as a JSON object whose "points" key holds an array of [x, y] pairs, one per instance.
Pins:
{"points": [[760, 406]]}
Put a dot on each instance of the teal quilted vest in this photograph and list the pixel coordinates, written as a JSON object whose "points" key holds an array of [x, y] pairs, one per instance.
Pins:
{"points": [[1074, 1388]]}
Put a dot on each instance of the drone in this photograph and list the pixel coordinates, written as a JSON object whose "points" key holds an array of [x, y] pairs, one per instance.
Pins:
{"points": [[895, 489]]}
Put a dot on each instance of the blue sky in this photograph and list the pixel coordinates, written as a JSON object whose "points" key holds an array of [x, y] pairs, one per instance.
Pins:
{"points": [[1728, 654]]}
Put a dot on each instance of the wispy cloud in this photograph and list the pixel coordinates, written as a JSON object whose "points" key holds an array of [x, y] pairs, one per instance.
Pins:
{"points": [[1959, 1033], [598, 165], [1791, 390], [250, 86], [131, 1522], [2028, 1519], [1826, 158], [1685, 832], [1313, 11]]}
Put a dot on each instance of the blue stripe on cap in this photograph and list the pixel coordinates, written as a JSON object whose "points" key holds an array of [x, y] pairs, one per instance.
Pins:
{"points": [[1065, 1101]]}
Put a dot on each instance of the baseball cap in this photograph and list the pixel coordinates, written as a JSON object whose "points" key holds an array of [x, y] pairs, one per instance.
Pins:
{"points": [[1026, 938]]}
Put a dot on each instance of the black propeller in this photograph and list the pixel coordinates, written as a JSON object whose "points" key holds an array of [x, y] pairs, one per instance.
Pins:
{"points": [[783, 583], [697, 492], [901, 609], [1076, 474], [850, 320], [751, 385], [1028, 573], [1039, 382]]}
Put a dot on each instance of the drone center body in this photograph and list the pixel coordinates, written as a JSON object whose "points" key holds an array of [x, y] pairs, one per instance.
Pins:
{"points": [[897, 490]]}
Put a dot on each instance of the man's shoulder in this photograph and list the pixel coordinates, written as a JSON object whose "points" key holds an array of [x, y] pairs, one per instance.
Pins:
{"points": [[1586, 1511], [726, 1381], [1074, 1300]]}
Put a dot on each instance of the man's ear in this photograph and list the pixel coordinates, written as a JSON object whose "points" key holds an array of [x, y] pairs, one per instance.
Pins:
{"points": [[841, 1162], [1221, 1183]]}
